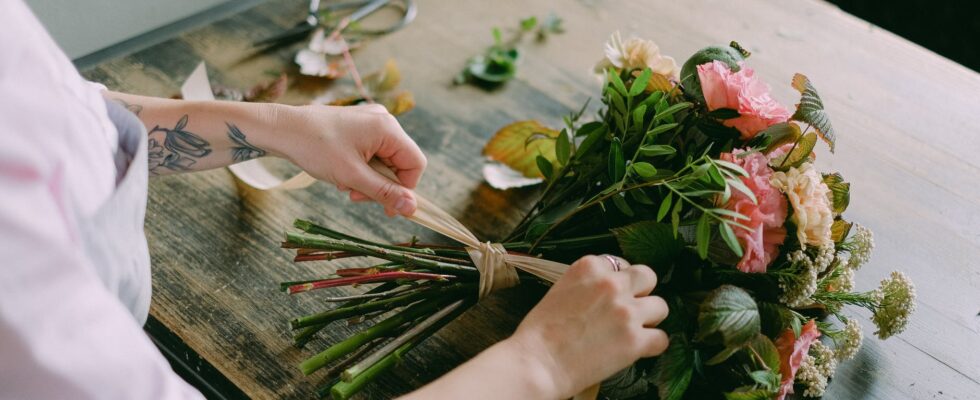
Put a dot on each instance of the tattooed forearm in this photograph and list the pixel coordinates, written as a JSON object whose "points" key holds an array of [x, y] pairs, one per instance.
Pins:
{"points": [[180, 150], [133, 108], [242, 150]]}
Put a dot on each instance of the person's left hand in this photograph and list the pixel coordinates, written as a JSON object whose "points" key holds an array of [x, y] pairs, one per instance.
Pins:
{"points": [[335, 144]]}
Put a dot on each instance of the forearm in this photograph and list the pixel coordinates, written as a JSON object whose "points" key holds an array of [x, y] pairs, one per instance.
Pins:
{"points": [[198, 135], [503, 371]]}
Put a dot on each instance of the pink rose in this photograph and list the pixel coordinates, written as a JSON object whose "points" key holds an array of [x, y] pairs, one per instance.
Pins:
{"points": [[760, 243], [791, 352], [743, 92]]}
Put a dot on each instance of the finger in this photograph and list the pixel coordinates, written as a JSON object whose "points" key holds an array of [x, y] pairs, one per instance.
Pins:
{"points": [[656, 342], [358, 196], [401, 153], [642, 279], [614, 263], [394, 197], [343, 188], [653, 309]]}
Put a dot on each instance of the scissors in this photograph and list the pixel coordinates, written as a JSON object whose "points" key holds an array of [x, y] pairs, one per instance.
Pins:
{"points": [[363, 8]]}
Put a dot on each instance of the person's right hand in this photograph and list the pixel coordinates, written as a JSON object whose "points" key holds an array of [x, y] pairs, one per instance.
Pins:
{"points": [[594, 322]]}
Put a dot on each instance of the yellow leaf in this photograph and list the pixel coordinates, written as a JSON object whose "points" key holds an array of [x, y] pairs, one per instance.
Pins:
{"points": [[385, 79], [400, 103], [517, 145]]}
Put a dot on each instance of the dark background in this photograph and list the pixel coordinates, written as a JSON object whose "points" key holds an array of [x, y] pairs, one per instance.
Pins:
{"points": [[948, 27]]}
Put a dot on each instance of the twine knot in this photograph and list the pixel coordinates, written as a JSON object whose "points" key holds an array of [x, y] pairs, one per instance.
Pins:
{"points": [[495, 272]]}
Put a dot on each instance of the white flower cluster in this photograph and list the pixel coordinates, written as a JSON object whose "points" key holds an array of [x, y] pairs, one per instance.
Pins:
{"points": [[850, 343], [816, 369], [845, 281], [897, 303], [861, 244], [798, 289]]}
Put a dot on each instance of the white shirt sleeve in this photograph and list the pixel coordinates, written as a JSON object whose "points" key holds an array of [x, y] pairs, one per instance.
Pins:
{"points": [[62, 334]]}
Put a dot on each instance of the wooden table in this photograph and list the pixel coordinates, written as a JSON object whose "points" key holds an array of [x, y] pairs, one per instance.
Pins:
{"points": [[908, 123]]}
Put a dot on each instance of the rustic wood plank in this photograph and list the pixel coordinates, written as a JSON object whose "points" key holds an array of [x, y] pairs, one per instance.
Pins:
{"points": [[906, 118]]}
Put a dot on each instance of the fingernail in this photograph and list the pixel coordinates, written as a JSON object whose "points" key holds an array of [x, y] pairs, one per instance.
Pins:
{"points": [[405, 206]]}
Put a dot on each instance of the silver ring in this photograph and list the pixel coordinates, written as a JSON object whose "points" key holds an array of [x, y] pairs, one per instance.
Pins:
{"points": [[615, 263]]}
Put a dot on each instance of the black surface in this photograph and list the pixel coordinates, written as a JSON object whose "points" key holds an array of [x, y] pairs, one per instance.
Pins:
{"points": [[189, 365], [948, 27]]}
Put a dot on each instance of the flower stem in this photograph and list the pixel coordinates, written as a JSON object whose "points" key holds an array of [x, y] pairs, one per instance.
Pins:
{"points": [[382, 328], [300, 339], [370, 278], [385, 304], [379, 252], [354, 381]]}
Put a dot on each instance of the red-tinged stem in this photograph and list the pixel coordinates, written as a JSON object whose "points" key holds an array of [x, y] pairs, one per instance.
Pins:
{"points": [[323, 256], [379, 277]]}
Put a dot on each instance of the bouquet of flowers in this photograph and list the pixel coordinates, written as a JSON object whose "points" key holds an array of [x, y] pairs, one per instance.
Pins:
{"points": [[695, 171]]}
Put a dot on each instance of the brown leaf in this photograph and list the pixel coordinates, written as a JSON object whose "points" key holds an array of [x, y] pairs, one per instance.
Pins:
{"points": [[268, 92], [384, 80], [517, 145]]}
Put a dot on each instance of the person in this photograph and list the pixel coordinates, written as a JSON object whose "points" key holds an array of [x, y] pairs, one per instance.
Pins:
{"points": [[75, 283]]}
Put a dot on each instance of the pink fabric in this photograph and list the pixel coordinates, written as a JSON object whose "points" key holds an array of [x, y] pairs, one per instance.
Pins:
{"points": [[760, 244], [791, 352], [743, 92]]}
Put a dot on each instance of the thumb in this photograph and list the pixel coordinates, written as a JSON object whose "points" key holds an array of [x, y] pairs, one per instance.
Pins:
{"points": [[395, 198]]}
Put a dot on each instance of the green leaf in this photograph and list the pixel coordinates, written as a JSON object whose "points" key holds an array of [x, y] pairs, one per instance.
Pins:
{"points": [[839, 230], [661, 129], [728, 315], [724, 113], [648, 243], [527, 24], [664, 207], [730, 240], [674, 369], [810, 110], [653, 150], [640, 82], [731, 167], [675, 216], [617, 82], [644, 169], [840, 192], [799, 155], [618, 103], [748, 393], [762, 347], [669, 111], [716, 130], [594, 134], [544, 166], [775, 318], [722, 356], [563, 148], [497, 37], [703, 235], [740, 186], [621, 204], [653, 98], [617, 162], [638, 113], [640, 196], [781, 133]]}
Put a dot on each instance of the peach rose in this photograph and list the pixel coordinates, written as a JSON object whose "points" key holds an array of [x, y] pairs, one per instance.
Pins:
{"points": [[743, 92], [760, 244], [810, 198], [636, 53]]}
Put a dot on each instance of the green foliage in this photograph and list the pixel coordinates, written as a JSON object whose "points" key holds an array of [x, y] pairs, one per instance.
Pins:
{"points": [[840, 192], [674, 369], [729, 317], [810, 110], [648, 243], [498, 64], [799, 153]]}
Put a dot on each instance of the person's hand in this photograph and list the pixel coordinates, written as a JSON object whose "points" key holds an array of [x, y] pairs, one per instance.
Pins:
{"points": [[335, 144], [594, 322]]}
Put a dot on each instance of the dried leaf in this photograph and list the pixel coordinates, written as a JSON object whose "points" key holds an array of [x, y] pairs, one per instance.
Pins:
{"points": [[502, 177], [268, 92], [384, 80], [400, 103], [510, 146]]}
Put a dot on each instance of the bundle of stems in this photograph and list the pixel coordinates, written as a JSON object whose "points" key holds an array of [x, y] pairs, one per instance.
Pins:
{"points": [[419, 288]]}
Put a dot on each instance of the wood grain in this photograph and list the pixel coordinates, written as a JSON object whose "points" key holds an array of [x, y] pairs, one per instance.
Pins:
{"points": [[906, 118]]}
